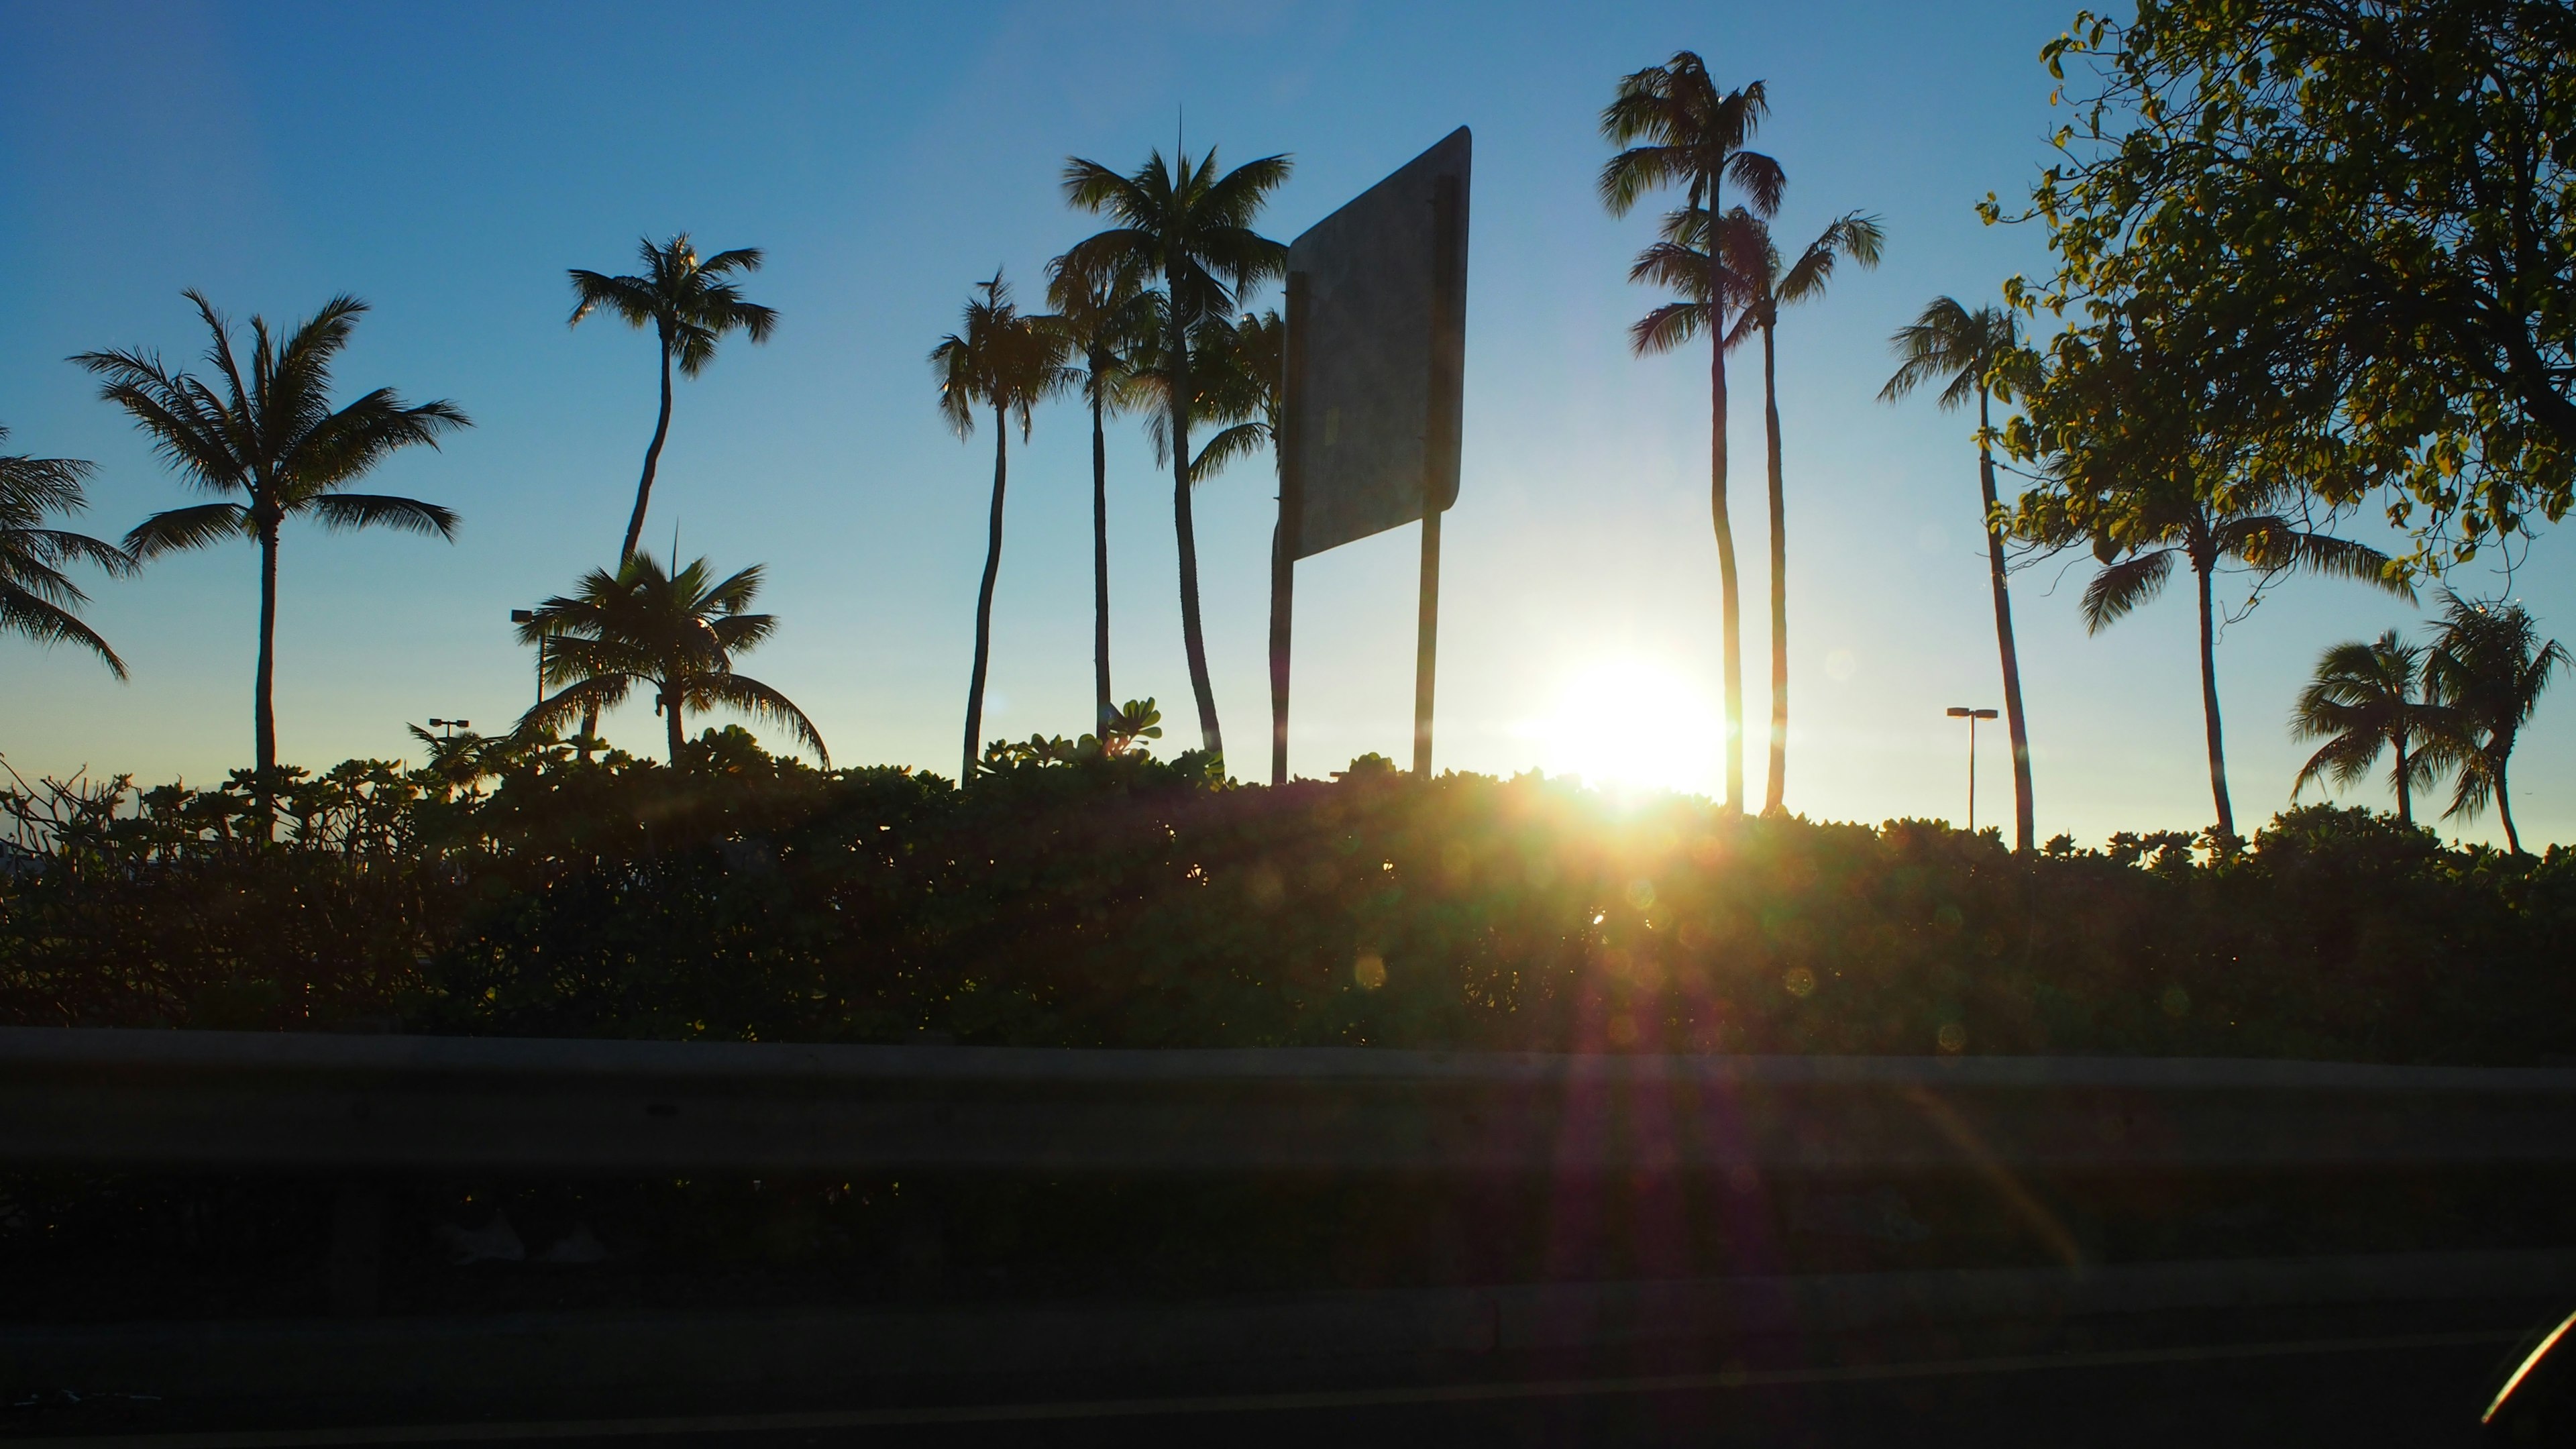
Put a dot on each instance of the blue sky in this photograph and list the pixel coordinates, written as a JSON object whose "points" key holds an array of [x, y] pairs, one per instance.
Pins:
{"points": [[448, 163]]}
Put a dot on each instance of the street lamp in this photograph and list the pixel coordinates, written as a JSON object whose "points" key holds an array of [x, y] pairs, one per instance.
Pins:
{"points": [[1961, 711], [529, 616], [451, 726]]}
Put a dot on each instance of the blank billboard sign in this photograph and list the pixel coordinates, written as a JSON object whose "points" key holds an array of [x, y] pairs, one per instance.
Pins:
{"points": [[1376, 346]]}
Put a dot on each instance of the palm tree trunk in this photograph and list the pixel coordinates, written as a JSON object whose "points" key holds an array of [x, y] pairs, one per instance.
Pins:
{"points": [[2504, 801], [1776, 783], [984, 599], [1729, 602], [677, 736], [264, 690], [652, 462], [1101, 705], [2023, 823], [2405, 795], [2209, 701], [1193, 642]]}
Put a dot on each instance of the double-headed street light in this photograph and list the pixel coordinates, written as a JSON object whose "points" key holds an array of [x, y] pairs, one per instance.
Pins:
{"points": [[1961, 711], [451, 726]]}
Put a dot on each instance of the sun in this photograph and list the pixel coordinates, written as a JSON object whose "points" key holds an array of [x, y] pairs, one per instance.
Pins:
{"points": [[1631, 724]]}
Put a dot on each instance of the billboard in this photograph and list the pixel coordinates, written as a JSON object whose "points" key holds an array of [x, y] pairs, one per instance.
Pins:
{"points": [[1377, 304]]}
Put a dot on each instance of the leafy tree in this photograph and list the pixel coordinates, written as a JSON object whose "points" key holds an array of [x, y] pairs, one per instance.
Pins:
{"points": [[2364, 701], [1008, 362], [690, 302], [1103, 317], [270, 437], [1762, 286], [1676, 129], [1977, 354], [1192, 228], [37, 599], [2357, 211], [2488, 667], [677, 633]]}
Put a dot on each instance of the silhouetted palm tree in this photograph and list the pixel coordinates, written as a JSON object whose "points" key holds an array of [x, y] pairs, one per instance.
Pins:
{"points": [[1103, 316], [677, 633], [690, 303], [1677, 130], [1977, 354], [1242, 392], [2363, 701], [37, 599], [1007, 362], [1752, 266], [1192, 228], [2173, 523], [272, 438], [2488, 668]]}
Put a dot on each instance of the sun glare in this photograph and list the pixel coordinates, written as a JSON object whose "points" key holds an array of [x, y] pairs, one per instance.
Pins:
{"points": [[1631, 725]]}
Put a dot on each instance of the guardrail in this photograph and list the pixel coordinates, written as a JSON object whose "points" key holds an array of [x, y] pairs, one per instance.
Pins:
{"points": [[235, 1101]]}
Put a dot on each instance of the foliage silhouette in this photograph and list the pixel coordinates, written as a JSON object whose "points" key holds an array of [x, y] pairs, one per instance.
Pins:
{"points": [[270, 437], [37, 599], [1192, 228], [677, 633], [1675, 129], [1977, 354], [1009, 363], [2488, 669]]}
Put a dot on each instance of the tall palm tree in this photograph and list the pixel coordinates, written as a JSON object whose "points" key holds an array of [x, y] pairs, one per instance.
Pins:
{"points": [[1103, 316], [1751, 263], [1192, 228], [690, 302], [676, 633], [2488, 667], [2168, 524], [1008, 362], [2364, 701], [270, 437], [37, 599], [1678, 130], [1977, 354]]}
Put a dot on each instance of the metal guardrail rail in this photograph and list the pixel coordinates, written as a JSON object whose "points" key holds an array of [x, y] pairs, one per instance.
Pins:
{"points": [[233, 1101]]}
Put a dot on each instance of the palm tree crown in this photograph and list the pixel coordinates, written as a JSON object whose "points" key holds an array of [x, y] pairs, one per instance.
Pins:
{"points": [[677, 633], [1008, 362], [269, 436], [1192, 227], [690, 302], [2364, 701], [37, 599], [2487, 669]]}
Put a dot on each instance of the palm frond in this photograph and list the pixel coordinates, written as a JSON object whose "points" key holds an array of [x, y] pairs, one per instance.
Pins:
{"points": [[2123, 586], [746, 695], [185, 528], [342, 511], [49, 623]]}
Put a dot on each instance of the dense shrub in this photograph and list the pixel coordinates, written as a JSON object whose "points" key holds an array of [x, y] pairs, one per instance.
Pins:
{"points": [[1073, 897]]}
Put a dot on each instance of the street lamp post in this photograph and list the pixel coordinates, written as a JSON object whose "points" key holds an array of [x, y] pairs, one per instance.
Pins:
{"points": [[1961, 711], [529, 616], [451, 726]]}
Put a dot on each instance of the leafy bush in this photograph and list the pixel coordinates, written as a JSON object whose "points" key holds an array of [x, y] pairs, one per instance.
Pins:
{"points": [[1072, 895]]}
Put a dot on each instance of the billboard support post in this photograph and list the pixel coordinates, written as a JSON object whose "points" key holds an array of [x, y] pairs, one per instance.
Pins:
{"points": [[1283, 537], [1439, 458]]}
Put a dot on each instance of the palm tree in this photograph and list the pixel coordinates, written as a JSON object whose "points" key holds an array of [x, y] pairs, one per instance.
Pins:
{"points": [[2363, 701], [1007, 362], [2488, 668], [1761, 286], [677, 633], [37, 598], [1102, 317], [2167, 523], [1192, 228], [690, 303], [1677, 130], [272, 438], [1977, 354]]}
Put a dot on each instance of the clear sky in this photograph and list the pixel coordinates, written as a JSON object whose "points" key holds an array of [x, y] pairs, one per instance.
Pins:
{"points": [[448, 162]]}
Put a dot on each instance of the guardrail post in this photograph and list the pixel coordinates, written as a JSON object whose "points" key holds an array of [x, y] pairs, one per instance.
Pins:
{"points": [[357, 1249]]}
